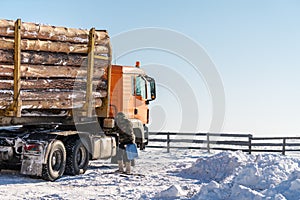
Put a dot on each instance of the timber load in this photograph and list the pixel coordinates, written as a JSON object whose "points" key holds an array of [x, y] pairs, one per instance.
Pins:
{"points": [[45, 67]]}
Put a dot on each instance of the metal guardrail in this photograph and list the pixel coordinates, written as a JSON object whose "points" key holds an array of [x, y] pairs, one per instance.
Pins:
{"points": [[224, 141]]}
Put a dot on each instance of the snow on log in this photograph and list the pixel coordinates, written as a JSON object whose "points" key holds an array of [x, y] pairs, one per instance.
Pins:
{"points": [[54, 33]]}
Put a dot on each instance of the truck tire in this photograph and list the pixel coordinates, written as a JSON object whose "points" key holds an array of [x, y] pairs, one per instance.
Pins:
{"points": [[77, 159], [56, 162]]}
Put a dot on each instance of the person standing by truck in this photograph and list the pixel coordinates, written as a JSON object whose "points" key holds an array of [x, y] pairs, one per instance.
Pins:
{"points": [[124, 128]]}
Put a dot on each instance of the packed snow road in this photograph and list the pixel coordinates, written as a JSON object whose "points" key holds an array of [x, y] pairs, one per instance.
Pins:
{"points": [[156, 167], [181, 174]]}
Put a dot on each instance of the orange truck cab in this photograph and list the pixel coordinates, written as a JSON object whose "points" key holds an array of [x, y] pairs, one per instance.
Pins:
{"points": [[131, 91]]}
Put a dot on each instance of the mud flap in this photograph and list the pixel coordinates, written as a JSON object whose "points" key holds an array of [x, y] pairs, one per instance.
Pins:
{"points": [[6, 153], [32, 165]]}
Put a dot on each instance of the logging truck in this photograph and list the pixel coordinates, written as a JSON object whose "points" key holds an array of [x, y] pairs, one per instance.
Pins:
{"points": [[59, 94]]}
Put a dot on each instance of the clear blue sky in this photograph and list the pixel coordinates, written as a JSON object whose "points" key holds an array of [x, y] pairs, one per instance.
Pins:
{"points": [[255, 46]]}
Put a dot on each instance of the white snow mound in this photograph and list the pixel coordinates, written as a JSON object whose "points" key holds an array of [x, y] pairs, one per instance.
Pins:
{"points": [[238, 175], [170, 193], [218, 167]]}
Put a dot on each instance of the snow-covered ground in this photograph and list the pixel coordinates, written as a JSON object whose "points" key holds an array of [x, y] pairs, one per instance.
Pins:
{"points": [[181, 174]]}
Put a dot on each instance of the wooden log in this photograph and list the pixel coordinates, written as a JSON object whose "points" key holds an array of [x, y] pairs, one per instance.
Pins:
{"points": [[58, 84], [45, 96], [45, 58], [50, 46], [49, 58], [51, 104], [44, 71], [54, 33], [51, 95], [50, 100]]}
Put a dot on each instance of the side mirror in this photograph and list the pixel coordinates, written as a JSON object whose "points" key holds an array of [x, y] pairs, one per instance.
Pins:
{"points": [[151, 88]]}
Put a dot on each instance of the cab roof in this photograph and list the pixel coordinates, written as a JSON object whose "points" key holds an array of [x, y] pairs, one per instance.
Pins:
{"points": [[130, 69]]}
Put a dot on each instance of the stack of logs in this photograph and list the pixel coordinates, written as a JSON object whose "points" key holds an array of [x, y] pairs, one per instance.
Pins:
{"points": [[53, 66]]}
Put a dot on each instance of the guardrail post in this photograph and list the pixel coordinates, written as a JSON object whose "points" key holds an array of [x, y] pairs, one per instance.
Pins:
{"points": [[208, 142], [250, 143], [168, 142], [283, 146]]}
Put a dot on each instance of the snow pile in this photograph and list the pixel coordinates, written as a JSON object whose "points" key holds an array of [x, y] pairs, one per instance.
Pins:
{"points": [[172, 192], [217, 167], [237, 175]]}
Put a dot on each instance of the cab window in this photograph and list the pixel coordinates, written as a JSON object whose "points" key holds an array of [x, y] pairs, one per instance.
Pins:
{"points": [[140, 87]]}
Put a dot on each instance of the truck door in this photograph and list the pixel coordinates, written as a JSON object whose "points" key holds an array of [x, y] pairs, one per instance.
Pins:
{"points": [[141, 111]]}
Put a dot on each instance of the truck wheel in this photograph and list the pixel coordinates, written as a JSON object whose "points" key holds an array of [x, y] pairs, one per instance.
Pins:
{"points": [[78, 158], [56, 162]]}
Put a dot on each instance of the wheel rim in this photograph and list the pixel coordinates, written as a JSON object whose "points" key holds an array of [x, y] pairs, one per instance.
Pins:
{"points": [[57, 160], [81, 156]]}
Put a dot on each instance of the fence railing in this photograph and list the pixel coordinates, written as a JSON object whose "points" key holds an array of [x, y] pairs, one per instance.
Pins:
{"points": [[223, 141]]}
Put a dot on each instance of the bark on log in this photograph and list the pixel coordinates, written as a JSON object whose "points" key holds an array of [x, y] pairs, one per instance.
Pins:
{"points": [[50, 100], [49, 58], [57, 84], [43, 71], [49, 46], [54, 33]]}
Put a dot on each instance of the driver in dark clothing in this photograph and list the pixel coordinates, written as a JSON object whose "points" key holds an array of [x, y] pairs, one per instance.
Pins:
{"points": [[126, 136]]}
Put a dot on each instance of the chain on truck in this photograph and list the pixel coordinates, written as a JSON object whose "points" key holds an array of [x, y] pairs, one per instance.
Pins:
{"points": [[59, 94]]}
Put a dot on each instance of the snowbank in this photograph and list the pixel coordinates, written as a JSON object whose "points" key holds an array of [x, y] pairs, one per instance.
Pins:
{"points": [[237, 175]]}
